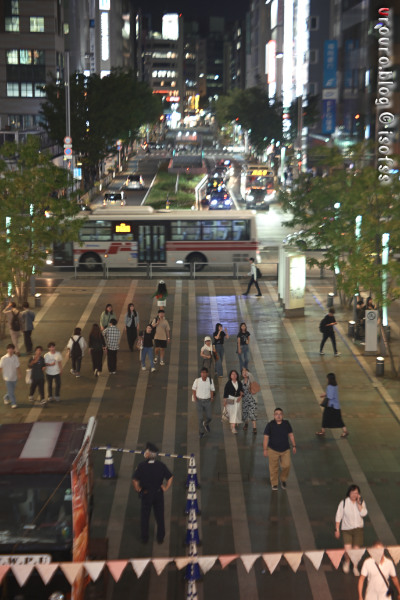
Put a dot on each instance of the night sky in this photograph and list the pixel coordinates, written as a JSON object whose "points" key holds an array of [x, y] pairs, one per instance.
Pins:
{"points": [[193, 9]]}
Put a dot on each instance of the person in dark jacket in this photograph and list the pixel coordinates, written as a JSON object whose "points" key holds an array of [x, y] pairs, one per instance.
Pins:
{"points": [[327, 329], [233, 393], [147, 348], [148, 481], [38, 365], [27, 317], [131, 325], [96, 344]]}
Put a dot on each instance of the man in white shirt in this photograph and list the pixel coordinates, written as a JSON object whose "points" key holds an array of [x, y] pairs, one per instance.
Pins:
{"points": [[377, 575], [9, 367], [253, 278], [53, 360], [203, 395]]}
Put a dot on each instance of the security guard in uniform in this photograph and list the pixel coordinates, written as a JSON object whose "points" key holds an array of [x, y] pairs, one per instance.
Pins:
{"points": [[148, 481]]}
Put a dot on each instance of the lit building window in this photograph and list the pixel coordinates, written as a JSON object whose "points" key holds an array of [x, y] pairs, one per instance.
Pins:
{"points": [[25, 57], [36, 24], [26, 90], [11, 24], [40, 91], [12, 57], [12, 89]]}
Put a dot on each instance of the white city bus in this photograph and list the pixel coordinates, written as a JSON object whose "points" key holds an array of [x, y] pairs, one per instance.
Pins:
{"points": [[128, 236], [257, 185]]}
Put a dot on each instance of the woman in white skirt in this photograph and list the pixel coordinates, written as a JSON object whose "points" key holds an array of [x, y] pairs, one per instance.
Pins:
{"points": [[233, 393]]}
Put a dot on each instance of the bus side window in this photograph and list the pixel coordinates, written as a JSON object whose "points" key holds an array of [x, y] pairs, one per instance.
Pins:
{"points": [[239, 228]]}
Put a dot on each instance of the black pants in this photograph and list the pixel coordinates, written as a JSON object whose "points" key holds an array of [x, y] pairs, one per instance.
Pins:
{"points": [[131, 334], [112, 360], [252, 280], [28, 341], [37, 383], [325, 336], [50, 379], [97, 359], [153, 501], [76, 363]]}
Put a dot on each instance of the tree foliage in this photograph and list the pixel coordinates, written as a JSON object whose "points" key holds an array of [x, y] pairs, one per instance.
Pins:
{"points": [[103, 110], [251, 109], [36, 212], [326, 209]]}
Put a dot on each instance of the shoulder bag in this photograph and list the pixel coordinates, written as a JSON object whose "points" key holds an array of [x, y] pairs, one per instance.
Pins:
{"points": [[254, 387], [324, 402]]}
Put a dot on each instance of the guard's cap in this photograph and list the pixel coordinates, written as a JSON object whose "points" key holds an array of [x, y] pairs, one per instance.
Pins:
{"points": [[151, 447]]}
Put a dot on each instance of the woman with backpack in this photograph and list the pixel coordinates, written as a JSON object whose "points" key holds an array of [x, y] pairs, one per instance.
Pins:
{"points": [[131, 325], [76, 348]]}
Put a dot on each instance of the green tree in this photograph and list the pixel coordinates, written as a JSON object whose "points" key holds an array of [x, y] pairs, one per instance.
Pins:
{"points": [[326, 209], [251, 109], [36, 212]]}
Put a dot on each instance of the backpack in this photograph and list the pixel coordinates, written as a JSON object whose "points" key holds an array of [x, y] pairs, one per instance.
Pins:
{"points": [[259, 274], [322, 325], [15, 322], [76, 350]]}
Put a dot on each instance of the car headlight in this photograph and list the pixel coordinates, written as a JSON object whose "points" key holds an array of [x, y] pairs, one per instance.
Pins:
{"points": [[214, 202], [228, 202]]}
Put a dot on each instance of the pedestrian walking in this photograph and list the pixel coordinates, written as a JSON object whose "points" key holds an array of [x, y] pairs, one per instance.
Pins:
{"points": [[326, 327], [233, 393], [53, 362], [106, 316], [112, 336], [243, 341], [207, 354], [14, 324], [161, 335], [161, 294], [148, 481], [350, 519], [378, 574], [96, 344], [9, 367], [37, 366], [28, 317], [277, 435], [76, 349], [249, 403], [254, 276], [203, 391], [131, 325], [219, 336], [332, 416], [147, 348]]}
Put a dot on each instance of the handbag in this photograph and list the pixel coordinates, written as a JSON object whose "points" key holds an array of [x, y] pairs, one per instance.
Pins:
{"points": [[139, 343], [391, 590], [324, 402], [254, 387], [28, 376], [225, 414]]}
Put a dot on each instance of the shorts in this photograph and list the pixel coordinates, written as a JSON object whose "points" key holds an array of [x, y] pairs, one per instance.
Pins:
{"points": [[160, 343], [353, 537]]}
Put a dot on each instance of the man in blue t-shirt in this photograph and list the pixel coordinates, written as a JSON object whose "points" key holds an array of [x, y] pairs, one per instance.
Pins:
{"points": [[276, 447]]}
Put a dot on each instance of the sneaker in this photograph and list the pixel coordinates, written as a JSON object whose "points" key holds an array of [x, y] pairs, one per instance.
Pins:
{"points": [[51, 399], [338, 353], [77, 375], [283, 485], [30, 398], [346, 567], [72, 372], [152, 369], [143, 368], [162, 362], [322, 353], [57, 399], [155, 359], [206, 426], [6, 399], [14, 405], [42, 402], [258, 295], [95, 372], [113, 373], [274, 488]]}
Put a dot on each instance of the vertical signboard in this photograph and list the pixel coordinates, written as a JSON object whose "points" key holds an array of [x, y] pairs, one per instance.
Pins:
{"points": [[329, 94]]}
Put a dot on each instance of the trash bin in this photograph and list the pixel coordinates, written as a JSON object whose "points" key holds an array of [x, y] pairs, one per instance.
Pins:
{"points": [[38, 300], [351, 329], [330, 298], [380, 366]]}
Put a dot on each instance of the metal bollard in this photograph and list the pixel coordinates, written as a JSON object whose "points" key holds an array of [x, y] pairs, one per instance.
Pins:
{"points": [[38, 300], [351, 328], [380, 366], [329, 301]]}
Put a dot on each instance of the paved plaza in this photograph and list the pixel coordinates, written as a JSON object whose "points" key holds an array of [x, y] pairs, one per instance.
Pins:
{"points": [[240, 514]]}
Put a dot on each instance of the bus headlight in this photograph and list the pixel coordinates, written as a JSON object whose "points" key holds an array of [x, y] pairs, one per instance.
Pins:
{"points": [[250, 198]]}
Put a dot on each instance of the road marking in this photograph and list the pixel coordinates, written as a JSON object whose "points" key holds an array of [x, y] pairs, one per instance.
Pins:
{"points": [[35, 412], [317, 579], [377, 518], [102, 380], [240, 527]]}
